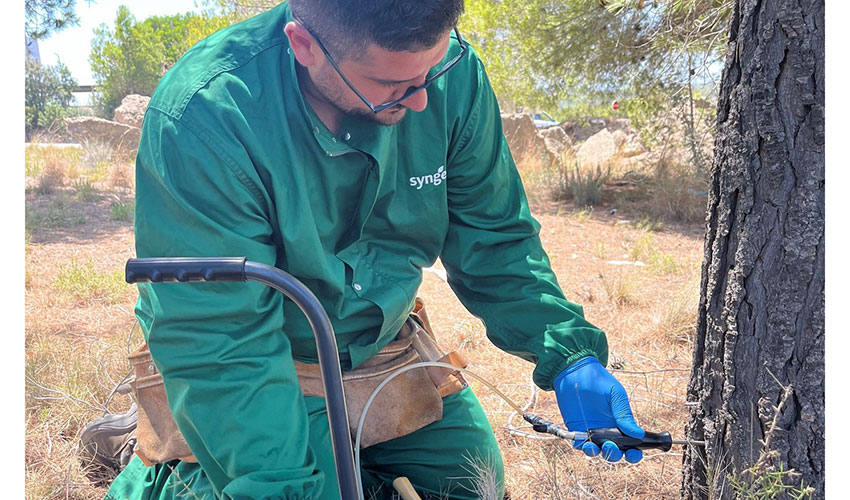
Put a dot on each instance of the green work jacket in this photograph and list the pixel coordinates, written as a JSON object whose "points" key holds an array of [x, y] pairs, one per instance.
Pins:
{"points": [[234, 162]]}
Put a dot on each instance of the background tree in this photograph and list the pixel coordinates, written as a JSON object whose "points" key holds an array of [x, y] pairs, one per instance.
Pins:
{"points": [[237, 10], [587, 52], [133, 57], [44, 17], [574, 57], [758, 367], [47, 91]]}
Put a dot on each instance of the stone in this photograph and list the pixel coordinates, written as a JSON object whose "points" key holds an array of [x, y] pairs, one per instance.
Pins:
{"points": [[525, 143], [556, 141], [632, 147], [583, 129], [120, 137], [598, 149], [620, 138], [132, 110]]}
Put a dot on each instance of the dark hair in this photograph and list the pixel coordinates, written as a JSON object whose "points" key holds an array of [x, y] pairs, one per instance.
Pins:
{"points": [[347, 27]]}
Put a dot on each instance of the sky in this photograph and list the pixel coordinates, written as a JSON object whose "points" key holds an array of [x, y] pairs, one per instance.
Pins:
{"points": [[73, 45]]}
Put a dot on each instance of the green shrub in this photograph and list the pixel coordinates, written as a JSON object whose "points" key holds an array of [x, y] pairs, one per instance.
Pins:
{"points": [[583, 187], [36, 157], [95, 159], [672, 192], [770, 483], [122, 211], [56, 213], [646, 223], [131, 57], [84, 282], [658, 262], [47, 96], [620, 288], [85, 190]]}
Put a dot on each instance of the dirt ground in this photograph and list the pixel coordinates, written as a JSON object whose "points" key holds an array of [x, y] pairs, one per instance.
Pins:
{"points": [[76, 343]]}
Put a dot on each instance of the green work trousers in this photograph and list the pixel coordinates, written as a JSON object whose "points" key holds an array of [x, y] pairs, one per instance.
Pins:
{"points": [[440, 459]]}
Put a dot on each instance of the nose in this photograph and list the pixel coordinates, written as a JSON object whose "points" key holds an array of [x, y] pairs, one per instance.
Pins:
{"points": [[417, 101]]}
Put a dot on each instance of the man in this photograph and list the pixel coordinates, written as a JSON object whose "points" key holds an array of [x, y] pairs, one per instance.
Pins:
{"points": [[263, 141]]}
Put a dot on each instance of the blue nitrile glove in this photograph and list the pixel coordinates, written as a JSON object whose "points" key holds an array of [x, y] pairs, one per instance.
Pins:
{"points": [[591, 398]]}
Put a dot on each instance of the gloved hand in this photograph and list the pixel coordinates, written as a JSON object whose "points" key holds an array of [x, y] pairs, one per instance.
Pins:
{"points": [[589, 397]]}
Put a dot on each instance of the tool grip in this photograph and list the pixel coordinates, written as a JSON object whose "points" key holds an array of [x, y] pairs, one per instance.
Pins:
{"points": [[405, 489], [651, 440], [184, 269]]}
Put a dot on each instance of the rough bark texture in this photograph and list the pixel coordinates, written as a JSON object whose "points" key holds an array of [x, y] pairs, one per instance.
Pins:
{"points": [[762, 294]]}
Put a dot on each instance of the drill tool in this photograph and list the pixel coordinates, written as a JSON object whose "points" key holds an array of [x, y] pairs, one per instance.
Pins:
{"points": [[651, 440]]}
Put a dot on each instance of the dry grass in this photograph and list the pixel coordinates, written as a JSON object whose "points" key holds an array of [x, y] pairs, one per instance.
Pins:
{"points": [[652, 361], [56, 209], [78, 328], [50, 178], [673, 320], [580, 184], [658, 261], [620, 287], [655, 189], [75, 348], [539, 176], [122, 175], [84, 282], [79, 317], [664, 190], [40, 156]]}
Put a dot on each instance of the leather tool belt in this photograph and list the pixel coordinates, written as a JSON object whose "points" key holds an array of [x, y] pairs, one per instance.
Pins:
{"points": [[409, 402]]}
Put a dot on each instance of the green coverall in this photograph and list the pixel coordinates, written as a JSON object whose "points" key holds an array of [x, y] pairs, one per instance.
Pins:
{"points": [[233, 162]]}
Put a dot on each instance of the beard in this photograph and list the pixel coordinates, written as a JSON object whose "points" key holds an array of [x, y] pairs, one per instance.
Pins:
{"points": [[337, 97]]}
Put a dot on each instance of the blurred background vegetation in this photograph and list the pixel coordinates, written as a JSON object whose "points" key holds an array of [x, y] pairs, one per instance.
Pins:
{"points": [[132, 56], [660, 60]]}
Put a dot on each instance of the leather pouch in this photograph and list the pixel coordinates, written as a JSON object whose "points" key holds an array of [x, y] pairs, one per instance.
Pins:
{"points": [[158, 438], [409, 402], [406, 404]]}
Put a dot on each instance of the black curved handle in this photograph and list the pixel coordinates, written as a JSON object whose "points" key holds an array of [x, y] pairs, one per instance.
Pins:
{"points": [[651, 440], [189, 269], [184, 269]]}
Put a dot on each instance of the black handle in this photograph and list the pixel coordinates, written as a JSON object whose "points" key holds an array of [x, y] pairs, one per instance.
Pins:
{"points": [[184, 269], [187, 269], [651, 440]]}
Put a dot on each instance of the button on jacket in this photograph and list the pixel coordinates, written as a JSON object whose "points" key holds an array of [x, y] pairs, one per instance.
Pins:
{"points": [[233, 162]]}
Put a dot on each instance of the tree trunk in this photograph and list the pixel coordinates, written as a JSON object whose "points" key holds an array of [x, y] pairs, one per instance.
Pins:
{"points": [[761, 318]]}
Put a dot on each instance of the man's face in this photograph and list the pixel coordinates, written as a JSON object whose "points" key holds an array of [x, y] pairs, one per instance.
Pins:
{"points": [[381, 76]]}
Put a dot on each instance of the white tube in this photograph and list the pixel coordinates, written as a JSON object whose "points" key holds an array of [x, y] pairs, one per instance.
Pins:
{"points": [[394, 375]]}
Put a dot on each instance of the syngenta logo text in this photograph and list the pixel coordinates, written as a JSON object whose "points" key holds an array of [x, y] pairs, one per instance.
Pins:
{"points": [[436, 178]]}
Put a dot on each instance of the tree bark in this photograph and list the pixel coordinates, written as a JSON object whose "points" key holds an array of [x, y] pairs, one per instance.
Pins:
{"points": [[761, 317]]}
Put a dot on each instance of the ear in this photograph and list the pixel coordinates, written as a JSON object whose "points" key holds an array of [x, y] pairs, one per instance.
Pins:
{"points": [[303, 45]]}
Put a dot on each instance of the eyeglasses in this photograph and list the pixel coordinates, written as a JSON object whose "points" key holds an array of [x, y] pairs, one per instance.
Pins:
{"points": [[464, 48]]}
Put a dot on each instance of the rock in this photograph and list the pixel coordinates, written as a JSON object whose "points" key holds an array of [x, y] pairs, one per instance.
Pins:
{"points": [[597, 150], [632, 147], [118, 136], [620, 124], [526, 145], [556, 141], [642, 161], [583, 129], [132, 110], [619, 138], [519, 130]]}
